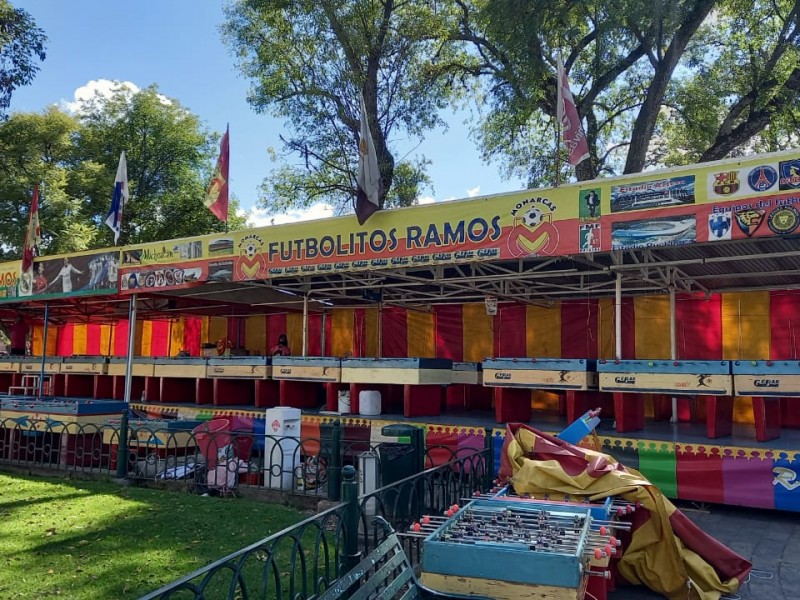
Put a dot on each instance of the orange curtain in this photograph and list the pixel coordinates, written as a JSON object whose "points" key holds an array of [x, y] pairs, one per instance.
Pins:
{"points": [[605, 322], [478, 333], [256, 334], [543, 331], [176, 336], [36, 340], [651, 329], [421, 334], [371, 335], [145, 343], [342, 330], [79, 337], [294, 333]]}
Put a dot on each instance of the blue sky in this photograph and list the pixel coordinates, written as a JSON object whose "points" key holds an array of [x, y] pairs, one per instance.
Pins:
{"points": [[176, 44]]}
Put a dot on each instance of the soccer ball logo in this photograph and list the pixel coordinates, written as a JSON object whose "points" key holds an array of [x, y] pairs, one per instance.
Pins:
{"points": [[533, 217], [250, 250]]}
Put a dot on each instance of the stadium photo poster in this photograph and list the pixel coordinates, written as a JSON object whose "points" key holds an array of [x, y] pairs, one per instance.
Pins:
{"points": [[657, 193], [75, 275]]}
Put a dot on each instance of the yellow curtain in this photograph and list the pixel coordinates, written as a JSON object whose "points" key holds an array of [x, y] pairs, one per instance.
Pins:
{"points": [[294, 333], [745, 335], [145, 345], [176, 336], [543, 331], [107, 340], [138, 348], [651, 326], [342, 326], [745, 326], [371, 333], [605, 322], [36, 340], [79, 335], [255, 335], [478, 333], [205, 334], [217, 329], [420, 334]]}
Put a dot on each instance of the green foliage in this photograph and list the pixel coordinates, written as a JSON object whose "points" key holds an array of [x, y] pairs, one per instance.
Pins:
{"points": [[310, 60], [22, 46], [656, 83], [170, 159]]}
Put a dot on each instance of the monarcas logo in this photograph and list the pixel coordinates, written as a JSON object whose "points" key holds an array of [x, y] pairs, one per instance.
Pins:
{"points": [[251, 263], [719, 226], [533, 232]]}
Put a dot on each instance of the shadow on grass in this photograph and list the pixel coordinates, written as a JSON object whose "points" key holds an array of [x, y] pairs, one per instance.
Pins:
{"points": [[122, 542]]}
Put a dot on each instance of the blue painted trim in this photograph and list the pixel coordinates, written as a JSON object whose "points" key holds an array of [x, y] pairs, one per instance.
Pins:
{"points": [[760, 367], [540, 364], [705, 367]]}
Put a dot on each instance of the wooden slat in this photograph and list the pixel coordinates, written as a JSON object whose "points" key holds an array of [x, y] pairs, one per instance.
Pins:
{"points": [[346, 581], [380, 577]]}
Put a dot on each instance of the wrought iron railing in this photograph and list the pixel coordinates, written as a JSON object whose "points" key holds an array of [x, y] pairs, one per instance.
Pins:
{"points": [[302, 561]]}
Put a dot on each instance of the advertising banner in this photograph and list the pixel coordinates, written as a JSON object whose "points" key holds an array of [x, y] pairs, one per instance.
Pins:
{"points": [[718, 201], [9, 278], [84, 274]]}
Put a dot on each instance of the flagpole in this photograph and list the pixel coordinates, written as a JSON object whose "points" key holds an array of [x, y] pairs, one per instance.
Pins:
{"points": [[558, 124]]}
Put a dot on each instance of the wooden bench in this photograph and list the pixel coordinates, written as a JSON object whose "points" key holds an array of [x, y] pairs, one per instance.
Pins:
{"points": [[384, 574]]}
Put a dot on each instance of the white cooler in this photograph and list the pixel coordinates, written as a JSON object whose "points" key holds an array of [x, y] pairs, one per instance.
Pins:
{"points": [[282, 431]]}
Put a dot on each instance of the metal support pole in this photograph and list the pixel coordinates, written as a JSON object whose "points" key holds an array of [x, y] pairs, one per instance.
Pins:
{"points": [[352, 518], [618, 317], [322, 334], [335, 462], [488, 447], [131, 340], [380, 329], [305, 325], [673, 347], [44, 349]]}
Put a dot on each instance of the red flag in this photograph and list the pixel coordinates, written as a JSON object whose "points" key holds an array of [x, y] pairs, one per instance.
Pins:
{"points": [[567, 114], [217, 197]]}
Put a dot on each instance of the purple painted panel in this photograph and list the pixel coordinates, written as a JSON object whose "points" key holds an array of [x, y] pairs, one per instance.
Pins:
{"points": [[747, 478]]}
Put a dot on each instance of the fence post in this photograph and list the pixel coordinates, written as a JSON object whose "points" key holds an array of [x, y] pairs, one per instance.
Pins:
{"points": [[352, 517], [488, 446], [122, 447], [335, 464]]}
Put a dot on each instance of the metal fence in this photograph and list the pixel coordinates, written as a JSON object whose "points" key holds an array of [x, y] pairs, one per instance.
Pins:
{"points": [[300, 562], [208, 460]]}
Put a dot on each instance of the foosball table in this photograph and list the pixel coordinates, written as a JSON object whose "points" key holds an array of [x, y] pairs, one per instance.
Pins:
{"points": [[517, 549]]}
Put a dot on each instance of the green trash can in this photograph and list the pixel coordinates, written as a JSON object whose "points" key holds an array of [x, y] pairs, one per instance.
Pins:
{"points": [[399, 461]]}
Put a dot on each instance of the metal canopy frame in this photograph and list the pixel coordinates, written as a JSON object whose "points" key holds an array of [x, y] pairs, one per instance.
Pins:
{"points": [[724, 266]]}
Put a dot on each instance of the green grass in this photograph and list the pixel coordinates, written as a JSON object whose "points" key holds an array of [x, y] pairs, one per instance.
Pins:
{"points": [[94, 540]]}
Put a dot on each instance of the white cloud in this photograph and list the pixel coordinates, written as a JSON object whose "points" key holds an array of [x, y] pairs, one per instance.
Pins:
{"points": [[258, 217], [101, 88], [471, 193], [426, 200]]}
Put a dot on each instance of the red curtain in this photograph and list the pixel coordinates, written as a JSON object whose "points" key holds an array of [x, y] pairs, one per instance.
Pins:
{"points": [[784, 307], [628, 329], [93, 334], [276, 325], [449, 331], [698, 324], [314, 334], [159, 338], [579, 328], [237, 332], [64, 343], [192, 330], [121, 338], [394, 332], [509, 331]]}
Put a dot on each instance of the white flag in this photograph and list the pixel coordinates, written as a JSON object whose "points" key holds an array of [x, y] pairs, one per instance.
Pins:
{"points": [[119, 199], [369, 177]]}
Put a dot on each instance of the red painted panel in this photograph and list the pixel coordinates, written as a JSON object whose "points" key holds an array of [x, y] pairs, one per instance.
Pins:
{"points": [[699, 473]]}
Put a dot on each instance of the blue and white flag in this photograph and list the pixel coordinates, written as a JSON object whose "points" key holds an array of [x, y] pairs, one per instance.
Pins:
{"points": [[119, 199]]}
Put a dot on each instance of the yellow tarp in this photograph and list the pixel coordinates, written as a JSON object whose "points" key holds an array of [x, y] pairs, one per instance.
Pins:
{"points": [[655, 557]]}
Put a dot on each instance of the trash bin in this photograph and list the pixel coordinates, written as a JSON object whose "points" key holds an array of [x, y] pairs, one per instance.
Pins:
{"points": [[398, 461]]}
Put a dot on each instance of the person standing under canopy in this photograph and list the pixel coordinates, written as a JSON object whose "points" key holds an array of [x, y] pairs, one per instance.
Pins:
{"points": [[282, 347]]}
